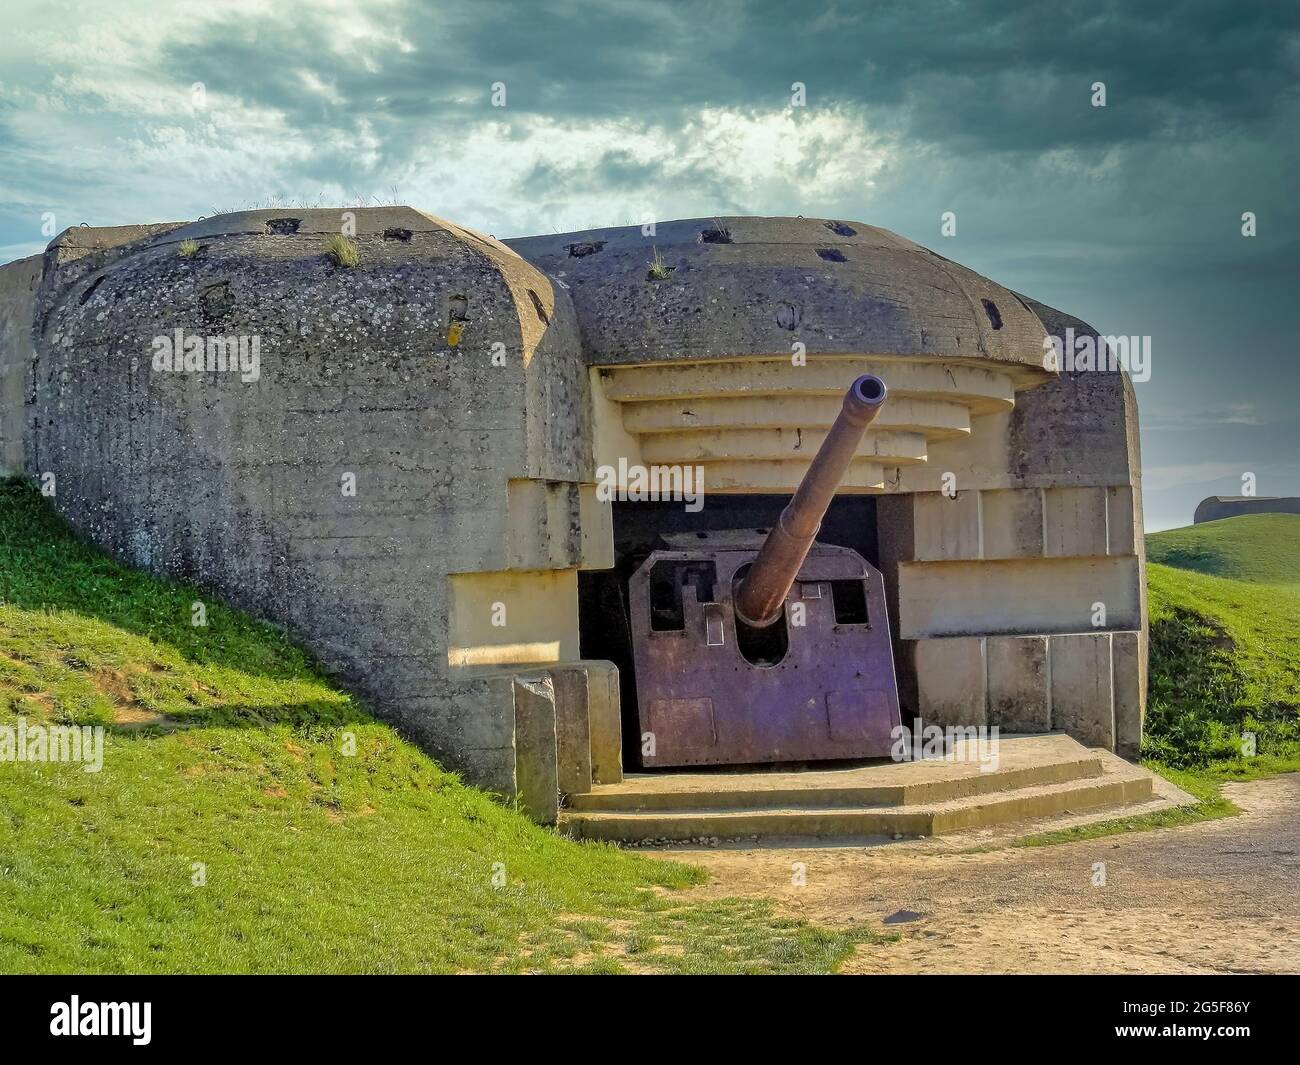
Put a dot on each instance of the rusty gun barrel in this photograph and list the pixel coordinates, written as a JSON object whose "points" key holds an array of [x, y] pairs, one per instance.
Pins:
{"points": [[762, 592]]}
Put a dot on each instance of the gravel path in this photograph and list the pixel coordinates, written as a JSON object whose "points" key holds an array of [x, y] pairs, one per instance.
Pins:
{"points": [[1223, 896]]}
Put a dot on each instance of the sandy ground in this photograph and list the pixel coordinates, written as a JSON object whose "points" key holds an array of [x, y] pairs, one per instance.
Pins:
{"points": [[1223, 896]]}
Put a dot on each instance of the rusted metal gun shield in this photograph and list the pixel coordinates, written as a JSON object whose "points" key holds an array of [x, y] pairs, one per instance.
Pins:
{"points": [[833, 696]]}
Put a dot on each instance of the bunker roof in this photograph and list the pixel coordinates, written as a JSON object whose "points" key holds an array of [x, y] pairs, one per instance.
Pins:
{"points": [[720, 287]]}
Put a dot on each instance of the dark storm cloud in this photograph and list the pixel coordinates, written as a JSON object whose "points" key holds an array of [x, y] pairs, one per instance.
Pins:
{"points": [[973, 76]]}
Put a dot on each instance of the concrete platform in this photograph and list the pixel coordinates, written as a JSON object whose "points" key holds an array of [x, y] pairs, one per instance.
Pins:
{"points": [[1035, 777]]}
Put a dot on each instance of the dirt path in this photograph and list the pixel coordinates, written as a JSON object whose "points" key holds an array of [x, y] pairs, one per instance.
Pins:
{"points": [[1223, 896]]}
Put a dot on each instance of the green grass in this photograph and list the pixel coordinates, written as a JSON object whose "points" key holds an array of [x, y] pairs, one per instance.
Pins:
{"points": [[1225, 650], [1224, 600], [1224, 606], [226, 750], [226, 753], [343, 251], [1260, 548], [659, 270]]}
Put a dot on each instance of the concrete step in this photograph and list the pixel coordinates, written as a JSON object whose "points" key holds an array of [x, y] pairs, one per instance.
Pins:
{"points": [[1119, 783], [1022, 761]]}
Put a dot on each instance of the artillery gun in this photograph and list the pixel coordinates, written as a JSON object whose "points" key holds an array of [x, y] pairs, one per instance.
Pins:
{"points": [[749, 649]]}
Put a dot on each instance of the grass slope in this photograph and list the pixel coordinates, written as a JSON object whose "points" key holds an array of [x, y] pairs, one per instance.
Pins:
{"points": [[1260, 548], [1225, 645], [225, 763]]}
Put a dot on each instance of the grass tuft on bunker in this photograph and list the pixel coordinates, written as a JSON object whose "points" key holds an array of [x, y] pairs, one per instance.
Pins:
{"points": [[343, 252], [230, 829]]}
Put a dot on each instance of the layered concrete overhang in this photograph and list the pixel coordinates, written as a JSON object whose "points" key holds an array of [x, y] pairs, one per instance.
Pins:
{"points": [[728, 343]]}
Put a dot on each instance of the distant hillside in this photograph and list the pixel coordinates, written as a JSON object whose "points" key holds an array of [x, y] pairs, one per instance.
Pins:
{"points": [[1260, 548]]}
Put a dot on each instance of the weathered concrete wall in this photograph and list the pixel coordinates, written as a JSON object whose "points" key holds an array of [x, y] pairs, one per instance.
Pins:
{"points": [[18, 282], [1021, 600], [1215, 508], [409, 417]]}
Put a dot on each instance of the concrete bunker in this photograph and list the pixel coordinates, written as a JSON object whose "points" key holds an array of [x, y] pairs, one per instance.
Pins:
{"points": [[481, 392]]}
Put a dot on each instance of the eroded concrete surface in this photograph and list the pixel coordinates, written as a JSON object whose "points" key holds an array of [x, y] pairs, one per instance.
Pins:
{"points": [[1217, 897]]}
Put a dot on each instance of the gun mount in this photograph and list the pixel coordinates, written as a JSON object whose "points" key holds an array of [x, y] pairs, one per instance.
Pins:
{"points": [[767, 649]]}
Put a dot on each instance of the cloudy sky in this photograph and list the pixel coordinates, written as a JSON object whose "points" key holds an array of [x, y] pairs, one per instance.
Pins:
{"points": [[1128, 215]]}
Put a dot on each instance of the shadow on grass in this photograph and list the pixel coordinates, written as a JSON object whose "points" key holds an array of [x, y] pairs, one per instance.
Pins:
{"points": [[324, 714], [1197, 712], [46, 568]]}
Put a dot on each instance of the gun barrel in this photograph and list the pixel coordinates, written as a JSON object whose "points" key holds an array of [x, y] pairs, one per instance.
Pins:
{"points": [[762, 593]]}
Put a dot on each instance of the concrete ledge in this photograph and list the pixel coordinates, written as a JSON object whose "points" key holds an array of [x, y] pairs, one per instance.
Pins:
{"points": [[537, 785], [588, 725], [880, 821], [572, 730], [1016, 597], [1024, 761], [1041, 777]]}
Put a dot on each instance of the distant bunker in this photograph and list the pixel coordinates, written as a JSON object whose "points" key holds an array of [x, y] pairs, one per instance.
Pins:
{"points": [[1215, 508], [443, 467]]}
